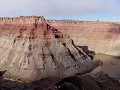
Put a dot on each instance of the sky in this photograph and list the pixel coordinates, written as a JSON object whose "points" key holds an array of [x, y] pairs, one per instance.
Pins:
{"points": [[85, 10]]}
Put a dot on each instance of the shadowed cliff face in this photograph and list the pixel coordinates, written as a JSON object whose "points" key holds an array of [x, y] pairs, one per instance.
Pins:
{"points": [[30, 50], [101, 37]]}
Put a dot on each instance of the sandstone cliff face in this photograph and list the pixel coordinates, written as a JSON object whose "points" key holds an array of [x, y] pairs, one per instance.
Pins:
{"points": [[102, 37], [30, 50]]}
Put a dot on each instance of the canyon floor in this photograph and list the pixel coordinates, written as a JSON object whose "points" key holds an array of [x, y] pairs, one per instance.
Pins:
{"points": [[111, 65]]}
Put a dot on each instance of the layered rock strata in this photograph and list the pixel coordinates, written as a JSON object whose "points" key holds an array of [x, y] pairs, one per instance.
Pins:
{"points": [[101, 37], [30, 50]]}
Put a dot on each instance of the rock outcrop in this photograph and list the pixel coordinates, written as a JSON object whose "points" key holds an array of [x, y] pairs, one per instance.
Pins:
{"points": [[77, 82], [101, 37], [30, 50], [85, 82]]}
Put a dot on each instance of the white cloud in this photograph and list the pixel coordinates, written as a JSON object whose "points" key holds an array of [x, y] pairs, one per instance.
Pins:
{"points": [[56, 7]]}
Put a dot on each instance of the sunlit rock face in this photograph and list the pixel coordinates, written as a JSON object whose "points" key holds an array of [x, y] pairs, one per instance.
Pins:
{"points": [[30, 50], [102, 37]]}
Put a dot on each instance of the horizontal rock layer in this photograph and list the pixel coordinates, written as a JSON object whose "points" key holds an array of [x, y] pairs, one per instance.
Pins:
{"points": [[30, 50], [102, 37]]}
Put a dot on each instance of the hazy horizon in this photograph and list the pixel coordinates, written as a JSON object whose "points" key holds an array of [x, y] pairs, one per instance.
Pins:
{"points": [[83, 10]]}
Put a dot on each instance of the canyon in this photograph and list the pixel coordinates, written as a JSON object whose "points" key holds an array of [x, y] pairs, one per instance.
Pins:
{"points": [[98, 36], [40, 54], [101, 37]]}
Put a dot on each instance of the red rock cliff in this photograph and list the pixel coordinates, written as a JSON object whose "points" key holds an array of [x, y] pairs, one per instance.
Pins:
{"points": [[102, 37], [30, 50]]}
